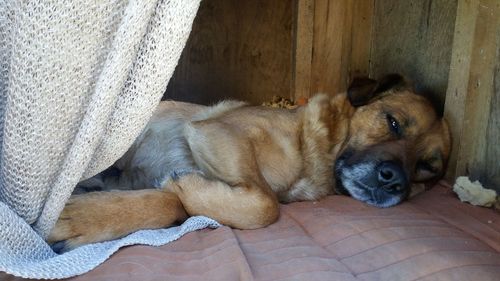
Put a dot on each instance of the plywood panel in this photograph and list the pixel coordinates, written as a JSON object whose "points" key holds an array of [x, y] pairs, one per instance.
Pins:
{"points": [[414, 37], [237, 49]]}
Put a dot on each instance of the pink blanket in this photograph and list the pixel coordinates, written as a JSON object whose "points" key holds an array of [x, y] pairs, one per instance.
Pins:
{"points": [[431, 237]]}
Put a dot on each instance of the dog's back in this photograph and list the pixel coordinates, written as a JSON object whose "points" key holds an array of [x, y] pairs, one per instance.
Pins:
{"points": [[158, 150]]}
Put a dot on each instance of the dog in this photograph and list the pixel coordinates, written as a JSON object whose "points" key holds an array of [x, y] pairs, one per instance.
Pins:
{"points": [[235, 163]]}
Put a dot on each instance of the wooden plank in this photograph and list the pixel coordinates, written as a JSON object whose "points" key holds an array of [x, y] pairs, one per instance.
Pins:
{"points": [[458, 82], [303, 47], [237, 49], [329, 30], [414, 38], [361, 38], [478, 147], [346, 51], [253, 50], [491, 177], [341, 45]]}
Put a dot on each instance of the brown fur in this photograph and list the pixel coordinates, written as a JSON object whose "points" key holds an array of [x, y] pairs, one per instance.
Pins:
{"points": [[254, 157]]}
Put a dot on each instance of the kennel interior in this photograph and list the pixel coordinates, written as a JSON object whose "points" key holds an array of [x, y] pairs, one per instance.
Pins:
{"points": [[254, 49]]}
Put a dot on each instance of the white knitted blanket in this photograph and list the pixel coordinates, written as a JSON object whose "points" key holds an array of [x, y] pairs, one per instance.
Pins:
{"points": [[78, 81]]}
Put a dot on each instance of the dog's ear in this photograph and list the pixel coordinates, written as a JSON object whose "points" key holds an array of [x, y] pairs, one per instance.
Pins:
{"points": [[391, 81], [361, 90], [364, 89]]}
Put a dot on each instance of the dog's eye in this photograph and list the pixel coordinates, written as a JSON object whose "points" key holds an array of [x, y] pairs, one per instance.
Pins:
{"points": [[393, 125]]}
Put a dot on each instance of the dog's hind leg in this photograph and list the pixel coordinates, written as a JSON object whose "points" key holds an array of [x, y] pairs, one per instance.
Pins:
{"points": [[100, 216]]}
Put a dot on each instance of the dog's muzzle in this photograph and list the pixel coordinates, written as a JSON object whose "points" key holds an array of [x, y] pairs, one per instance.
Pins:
{"points": [[382, 184]]}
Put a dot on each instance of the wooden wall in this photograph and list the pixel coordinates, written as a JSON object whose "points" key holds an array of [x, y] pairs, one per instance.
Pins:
{"points": [[374, 37], [255, 49], [237, 49], [414, 38], [473, 97], [339, 40]]}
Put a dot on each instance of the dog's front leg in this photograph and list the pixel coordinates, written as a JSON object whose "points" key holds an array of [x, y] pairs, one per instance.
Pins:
{"points": [[100, 216], [243, 206]]}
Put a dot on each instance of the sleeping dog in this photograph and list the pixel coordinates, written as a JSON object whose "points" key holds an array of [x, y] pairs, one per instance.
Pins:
{"points": [[235, 163]]}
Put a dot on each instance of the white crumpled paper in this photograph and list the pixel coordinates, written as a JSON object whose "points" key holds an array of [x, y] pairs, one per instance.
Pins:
{"points": [[474, 192]]}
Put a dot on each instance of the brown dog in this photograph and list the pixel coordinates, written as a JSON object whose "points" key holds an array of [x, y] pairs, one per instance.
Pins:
{"points": [[234, 163]]}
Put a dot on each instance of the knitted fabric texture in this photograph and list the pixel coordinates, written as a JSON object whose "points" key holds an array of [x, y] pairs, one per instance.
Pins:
{"points": [[78, 82]]}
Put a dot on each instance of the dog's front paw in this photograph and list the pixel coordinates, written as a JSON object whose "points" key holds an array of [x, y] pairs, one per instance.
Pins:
{"points": [[85, 219]]}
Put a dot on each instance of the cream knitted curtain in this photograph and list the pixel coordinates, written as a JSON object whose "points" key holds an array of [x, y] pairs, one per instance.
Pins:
{"points": [[78, 81]]}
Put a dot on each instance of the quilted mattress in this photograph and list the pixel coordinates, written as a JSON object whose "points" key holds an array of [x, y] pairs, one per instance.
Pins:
{"points": [[431, 237]]}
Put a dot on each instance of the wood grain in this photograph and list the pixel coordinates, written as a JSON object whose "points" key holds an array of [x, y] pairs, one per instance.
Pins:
{"points": [[478, 148], [414, 38], [302, 48], [458, 83], [237, 49], [329, 20], [341, 47], [361, 38], [473, 98], [492, 165]]}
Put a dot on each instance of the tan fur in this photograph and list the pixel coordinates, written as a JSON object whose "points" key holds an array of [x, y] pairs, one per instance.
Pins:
{"points": [[108, 215], [251, 158]]}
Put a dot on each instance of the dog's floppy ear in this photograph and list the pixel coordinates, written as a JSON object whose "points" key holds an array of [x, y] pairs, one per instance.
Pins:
{"points": [[361, 90], [391, 81], [364, 89]]}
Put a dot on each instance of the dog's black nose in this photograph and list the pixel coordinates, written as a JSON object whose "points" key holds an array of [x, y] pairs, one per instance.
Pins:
{"points": [[392, 177]]}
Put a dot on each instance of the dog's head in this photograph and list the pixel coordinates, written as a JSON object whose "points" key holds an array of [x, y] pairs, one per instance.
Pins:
{"points": [[394, 138]]}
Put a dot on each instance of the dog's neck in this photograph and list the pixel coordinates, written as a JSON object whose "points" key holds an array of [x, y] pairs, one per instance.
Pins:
{"points": [[324, 127], [343, 112]]}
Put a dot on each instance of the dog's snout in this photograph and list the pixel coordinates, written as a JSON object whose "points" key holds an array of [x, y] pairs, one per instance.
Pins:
{"points": [[388, 172], [392, 177]]}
